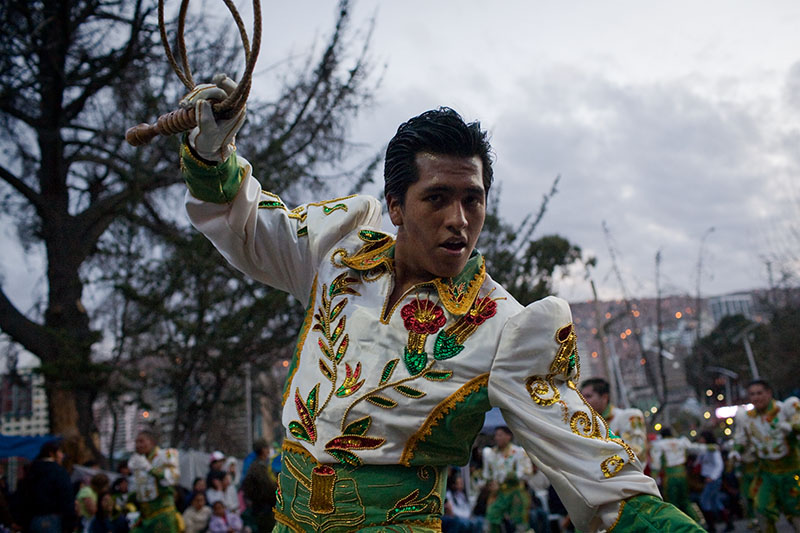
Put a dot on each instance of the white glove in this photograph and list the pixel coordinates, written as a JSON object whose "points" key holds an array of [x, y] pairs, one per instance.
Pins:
{"points": [[213, 140], [733, 455], [786, 427]]}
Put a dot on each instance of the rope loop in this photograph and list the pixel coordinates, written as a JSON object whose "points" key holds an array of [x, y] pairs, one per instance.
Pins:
{"points": [[236, 100]]}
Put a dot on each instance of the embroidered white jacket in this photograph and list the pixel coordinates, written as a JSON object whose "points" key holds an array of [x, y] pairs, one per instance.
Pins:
{"points": [[412, 388]]}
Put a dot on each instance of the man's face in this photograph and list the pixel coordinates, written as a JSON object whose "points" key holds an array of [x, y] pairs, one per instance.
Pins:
{"points": [[501, 438], [143, 444], [441, 218], [759, 396], [599, 402]]}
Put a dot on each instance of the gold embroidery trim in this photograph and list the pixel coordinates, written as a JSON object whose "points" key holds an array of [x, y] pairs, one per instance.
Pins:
{"points": [[457, 307], [293, 447], [619, 516], [444, 407], [305, 329], [288, 522]]}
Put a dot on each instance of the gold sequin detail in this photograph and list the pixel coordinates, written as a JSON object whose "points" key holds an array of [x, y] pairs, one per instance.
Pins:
{"points": [[304, 329], [459, 301], [612, 466]]}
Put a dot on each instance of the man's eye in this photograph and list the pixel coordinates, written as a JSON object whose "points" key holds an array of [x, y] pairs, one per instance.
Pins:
{"points": [[435, 198]]}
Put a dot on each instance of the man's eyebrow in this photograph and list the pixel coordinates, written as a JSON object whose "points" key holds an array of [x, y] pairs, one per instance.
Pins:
{"points": [[474, 189]]}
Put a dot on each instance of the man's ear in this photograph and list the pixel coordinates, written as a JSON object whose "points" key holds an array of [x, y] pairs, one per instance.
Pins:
{"points": [[395, 210]]}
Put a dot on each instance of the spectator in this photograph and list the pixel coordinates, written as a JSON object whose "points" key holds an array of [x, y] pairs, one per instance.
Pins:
{"points": [[46, 493], [215, 491], [223, 521], [711, 469], [87, 498], [101, 522], [198, 485], [457, 516], [196, 516], [216, 462], [259, 490]]}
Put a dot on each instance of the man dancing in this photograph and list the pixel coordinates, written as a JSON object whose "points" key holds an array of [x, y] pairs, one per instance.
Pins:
{"points": [[505, 466], [626, 423], [407, 340], [770, 431], [154, 473]]}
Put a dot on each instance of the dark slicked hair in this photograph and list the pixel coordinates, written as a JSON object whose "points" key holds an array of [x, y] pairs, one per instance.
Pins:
{"points": [[599, 385], [761, 382], [439, 131], [506, 430]]}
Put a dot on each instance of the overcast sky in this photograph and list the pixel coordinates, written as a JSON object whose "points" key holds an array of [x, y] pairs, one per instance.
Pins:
{"points": [[663, 120]]}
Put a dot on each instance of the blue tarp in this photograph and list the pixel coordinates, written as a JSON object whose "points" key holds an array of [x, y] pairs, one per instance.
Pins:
{"points": [[17, 446]]}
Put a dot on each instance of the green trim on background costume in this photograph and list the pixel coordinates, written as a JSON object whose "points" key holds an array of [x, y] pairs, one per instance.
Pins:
{"points": [[513, 501], [777, 493], [676, 490], [451, 438], [336, 498], [649, 513], [210, 183], [158, 515]]}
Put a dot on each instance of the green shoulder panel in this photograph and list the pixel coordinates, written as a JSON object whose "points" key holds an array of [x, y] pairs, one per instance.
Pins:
{"points": [[211, 183], [649, 513], [447, 435]]}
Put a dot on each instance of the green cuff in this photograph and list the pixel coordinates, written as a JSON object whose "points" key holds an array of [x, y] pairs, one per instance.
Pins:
{"points": [[208, 182], [649, 513]]}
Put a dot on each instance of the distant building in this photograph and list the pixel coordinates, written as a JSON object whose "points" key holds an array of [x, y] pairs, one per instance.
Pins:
{"points": [[739, 303], [23, 404]]}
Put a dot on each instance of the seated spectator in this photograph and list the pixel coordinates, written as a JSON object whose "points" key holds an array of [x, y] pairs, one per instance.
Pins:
{"points": [[101, 521], [230, 496], [223, 521], [87, 499], [457, 516], [215, 491], [196, 516], [198, 485]]}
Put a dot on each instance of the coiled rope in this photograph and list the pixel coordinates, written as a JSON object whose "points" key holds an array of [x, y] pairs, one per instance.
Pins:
{"points": [[182, 120]]}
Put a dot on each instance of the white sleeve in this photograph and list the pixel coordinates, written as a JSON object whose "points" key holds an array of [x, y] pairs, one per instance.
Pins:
{"points": [[790, 412], [169, 464], [259, 235], [533, 380]]}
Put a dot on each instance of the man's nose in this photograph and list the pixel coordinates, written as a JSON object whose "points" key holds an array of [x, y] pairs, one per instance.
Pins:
{"points": [[456, 216]]}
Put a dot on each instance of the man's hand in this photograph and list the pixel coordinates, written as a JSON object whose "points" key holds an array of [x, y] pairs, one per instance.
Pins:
{"points": [[213, 140]]}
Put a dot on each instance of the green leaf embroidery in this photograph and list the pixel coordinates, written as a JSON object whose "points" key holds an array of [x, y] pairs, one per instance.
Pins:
{"points": [[358, 427], [382, 401], [388, 370], [409, 391], [345, 457], [297, 429], [438, 375]]}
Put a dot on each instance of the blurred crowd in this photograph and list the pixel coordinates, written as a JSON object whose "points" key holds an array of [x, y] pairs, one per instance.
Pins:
{"points": [[754, 476], [143, 494]]}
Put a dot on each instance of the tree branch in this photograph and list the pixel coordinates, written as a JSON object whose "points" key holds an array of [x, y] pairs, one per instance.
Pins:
{"points": [[31, 195], [32, 336]]}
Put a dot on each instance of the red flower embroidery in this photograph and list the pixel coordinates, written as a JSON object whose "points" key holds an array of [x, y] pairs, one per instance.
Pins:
{"points": [[423, 316], [482, 310]]}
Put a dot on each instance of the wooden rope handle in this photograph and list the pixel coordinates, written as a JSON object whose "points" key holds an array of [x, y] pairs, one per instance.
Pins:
{"points": [[170, 123]]}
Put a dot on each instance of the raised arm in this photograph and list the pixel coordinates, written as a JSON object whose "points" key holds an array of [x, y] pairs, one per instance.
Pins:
{"points": [[254, 229]]}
